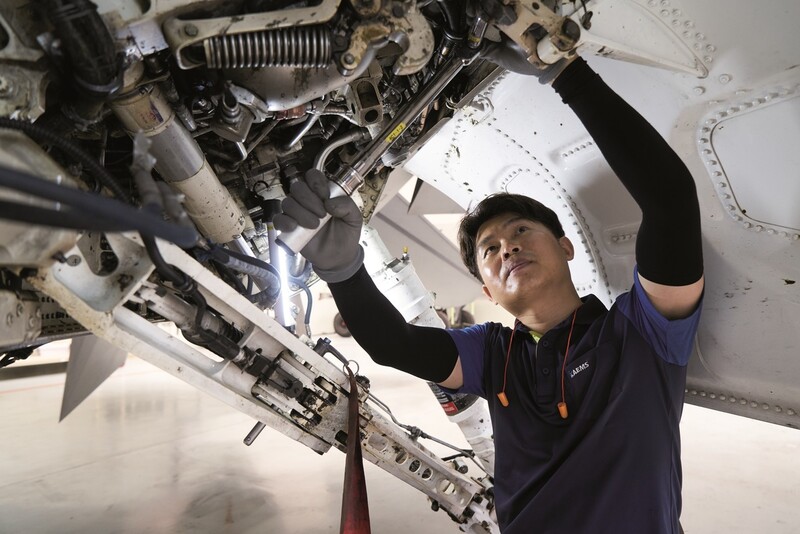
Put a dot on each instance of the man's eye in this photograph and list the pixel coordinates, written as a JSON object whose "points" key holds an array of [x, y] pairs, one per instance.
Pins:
{"points": [[489, 250], [522, 229]]}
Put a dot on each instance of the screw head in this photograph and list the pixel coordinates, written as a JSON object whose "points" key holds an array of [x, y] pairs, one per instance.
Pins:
{"points": [[190, 30], [73, 260]]}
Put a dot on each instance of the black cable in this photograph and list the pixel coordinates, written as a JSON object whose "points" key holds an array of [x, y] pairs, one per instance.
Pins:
{"points": [[68, 218], [72, 150], [228, 273], [251, 260], [300, 281], [307, 291], [16, 355], [267, 275], [216, 343], [249, 289], [181, 282], [107, 210]]}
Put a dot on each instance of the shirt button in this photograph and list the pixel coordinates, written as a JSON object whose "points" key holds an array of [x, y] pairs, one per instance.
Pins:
{"points": [[546, 371], [545, 343]]}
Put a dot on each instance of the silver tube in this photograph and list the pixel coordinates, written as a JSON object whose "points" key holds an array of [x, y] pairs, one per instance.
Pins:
{"points": [[327, 150], [298, 266], [314, 114], [179, 159], [240, 244], [312, 119], [179, 311], [279, 259]]}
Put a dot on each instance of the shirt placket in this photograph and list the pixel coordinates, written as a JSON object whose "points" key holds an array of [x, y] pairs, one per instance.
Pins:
{"points": [[545, 367]]}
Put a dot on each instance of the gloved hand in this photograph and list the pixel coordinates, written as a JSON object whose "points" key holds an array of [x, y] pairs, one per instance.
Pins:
{"points": [[334, 251], [509, 55]]}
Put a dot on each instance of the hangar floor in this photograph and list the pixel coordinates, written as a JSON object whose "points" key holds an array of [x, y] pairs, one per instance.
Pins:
{"points": [[147, 453]]}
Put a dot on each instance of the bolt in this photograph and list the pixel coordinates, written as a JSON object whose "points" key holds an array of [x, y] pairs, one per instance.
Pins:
{"points": [[59, 257], [74, 260], [348, 59], [190, 30], [725, 78], [32, 322], [10, 319], [20, 309], [398, 10]]}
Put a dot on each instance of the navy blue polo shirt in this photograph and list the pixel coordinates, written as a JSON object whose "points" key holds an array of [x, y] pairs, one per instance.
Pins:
{"points": [[613, 466]]}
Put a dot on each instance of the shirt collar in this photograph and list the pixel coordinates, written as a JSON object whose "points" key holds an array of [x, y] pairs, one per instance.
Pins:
{"points": [[589, 311]]}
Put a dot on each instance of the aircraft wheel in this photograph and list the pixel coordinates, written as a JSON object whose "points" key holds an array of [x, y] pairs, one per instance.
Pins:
{"points": [[340, 327]]}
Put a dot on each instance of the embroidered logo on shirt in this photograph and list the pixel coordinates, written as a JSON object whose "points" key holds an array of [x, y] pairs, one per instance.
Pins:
{"points": [[581, 367]]}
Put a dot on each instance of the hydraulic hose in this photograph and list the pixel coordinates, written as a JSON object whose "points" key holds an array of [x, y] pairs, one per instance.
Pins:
{"points": [[113, 214], [88, 45], [69, 218], [264, 273], [72, 150]]}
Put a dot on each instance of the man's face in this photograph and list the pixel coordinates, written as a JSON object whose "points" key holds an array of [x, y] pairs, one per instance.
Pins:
{"points": [[519, 259]]}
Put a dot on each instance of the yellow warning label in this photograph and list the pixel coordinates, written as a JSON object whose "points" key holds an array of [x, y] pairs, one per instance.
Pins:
{"points": [[396, 132]]}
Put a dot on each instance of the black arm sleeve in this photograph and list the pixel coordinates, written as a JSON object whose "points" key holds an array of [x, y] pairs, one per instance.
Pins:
{"points": [[380, 329], [668, 245]]}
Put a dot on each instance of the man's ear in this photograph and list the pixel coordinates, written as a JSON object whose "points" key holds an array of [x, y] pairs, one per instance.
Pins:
{"points": [[487, 293], [566, 245]]}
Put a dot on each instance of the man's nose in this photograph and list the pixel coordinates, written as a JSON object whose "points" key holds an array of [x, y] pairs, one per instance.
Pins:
{"points": [[509, 249]]}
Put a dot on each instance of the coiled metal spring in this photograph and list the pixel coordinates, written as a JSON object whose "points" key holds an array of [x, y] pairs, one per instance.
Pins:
{"points": [[306, 46]]}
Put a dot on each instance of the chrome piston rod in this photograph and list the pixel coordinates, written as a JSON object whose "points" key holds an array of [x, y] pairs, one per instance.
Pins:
{"points": [[352, 177]]}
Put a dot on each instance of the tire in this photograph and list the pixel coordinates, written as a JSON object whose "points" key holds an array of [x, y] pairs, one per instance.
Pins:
{"points": [[467, 319], [340, 327], [443, 316]]}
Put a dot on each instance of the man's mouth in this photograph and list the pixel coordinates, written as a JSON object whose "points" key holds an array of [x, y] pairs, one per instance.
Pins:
{"points": [[516, 265]]}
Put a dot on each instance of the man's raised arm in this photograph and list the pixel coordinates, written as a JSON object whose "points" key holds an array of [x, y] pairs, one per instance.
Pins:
{"points": [[668, 245]]}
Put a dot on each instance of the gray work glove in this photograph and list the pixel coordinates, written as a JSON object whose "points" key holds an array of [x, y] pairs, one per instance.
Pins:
{"points": [[334, 251], [509, 55]]}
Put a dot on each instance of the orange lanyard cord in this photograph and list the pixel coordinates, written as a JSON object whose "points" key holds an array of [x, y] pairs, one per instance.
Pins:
{"points": [[562, 406], [502, 394]]}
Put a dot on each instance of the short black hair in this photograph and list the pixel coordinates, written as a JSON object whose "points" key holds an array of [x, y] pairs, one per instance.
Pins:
{"points": [[491, 207]]}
